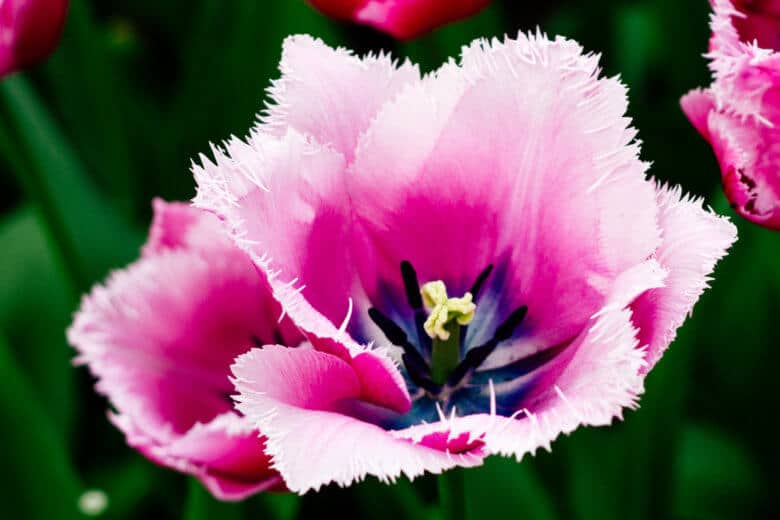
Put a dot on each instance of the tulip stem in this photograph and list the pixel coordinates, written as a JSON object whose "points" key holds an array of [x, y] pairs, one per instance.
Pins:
{"points": [[452, 495], [446, 353]]}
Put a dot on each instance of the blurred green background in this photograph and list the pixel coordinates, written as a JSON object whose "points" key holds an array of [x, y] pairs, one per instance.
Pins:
{"points": [[139, 87]]}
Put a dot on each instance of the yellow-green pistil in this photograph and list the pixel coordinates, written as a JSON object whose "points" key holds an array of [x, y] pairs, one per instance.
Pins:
{"points": [[445, 317]]}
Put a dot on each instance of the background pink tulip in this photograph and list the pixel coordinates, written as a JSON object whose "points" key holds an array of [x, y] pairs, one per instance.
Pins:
{"points": [[403, 19], [512, 179], [29, 31], [160, 337], [740, 112]]}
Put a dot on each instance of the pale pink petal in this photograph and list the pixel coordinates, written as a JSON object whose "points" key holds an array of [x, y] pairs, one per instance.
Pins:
{"points": [[297, 229], [331, 95], [552, 193], [555, 159], [597, 377], [693, 240], [296, 223], [295, 396]]}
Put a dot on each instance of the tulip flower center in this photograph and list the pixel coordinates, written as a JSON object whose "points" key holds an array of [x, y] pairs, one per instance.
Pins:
{"points": [[445, 319], [442, 363]]}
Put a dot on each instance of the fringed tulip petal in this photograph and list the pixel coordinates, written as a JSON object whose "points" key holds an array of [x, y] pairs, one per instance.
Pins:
{"points": [[330, 94], [487, 269], [511, 202], [301, 398], [225, 454], [693, 240], [160, 337], [740, 112]]}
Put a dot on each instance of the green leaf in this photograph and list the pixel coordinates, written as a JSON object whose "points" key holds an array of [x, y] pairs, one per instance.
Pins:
{"points": [[435, 48], [638, 44], [716, 477], [34, 310], [281, 506], [228, 60], [93, 102], [127, 484], [42, 483], [622, 471], [88, 234], [390, 501], [201, 505], [505, 488]]}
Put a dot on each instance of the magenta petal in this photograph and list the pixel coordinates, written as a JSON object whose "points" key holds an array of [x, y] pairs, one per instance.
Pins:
{"points": [[406, 19], [401, 18], [149, 335], [296, 395], [740, 112], [160, 337], [747, 153], [225, 454], [29, 31], [697, 105]]}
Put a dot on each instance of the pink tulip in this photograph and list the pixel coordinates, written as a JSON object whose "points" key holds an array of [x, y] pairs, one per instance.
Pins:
{"points": [[29, 31], [402, 19], [739, 113], [475, 256], [160, 337]]}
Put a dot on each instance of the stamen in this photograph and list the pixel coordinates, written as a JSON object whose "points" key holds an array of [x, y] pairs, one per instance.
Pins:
{"points": [[506, 329], [480, 281], [478, 355], [411, 285], [413, 296], [397, 336], [418, 377], [523, 366]]}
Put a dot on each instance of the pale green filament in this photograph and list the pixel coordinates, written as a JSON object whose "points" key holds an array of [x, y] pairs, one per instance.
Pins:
{"points": [[446, 316]]}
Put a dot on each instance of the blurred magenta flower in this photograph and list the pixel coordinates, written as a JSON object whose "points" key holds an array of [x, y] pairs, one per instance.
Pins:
{"points": [[160, 337], [475, 256], [739, 113], [29, 31], [403, 19]]}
